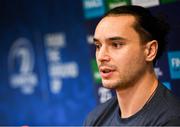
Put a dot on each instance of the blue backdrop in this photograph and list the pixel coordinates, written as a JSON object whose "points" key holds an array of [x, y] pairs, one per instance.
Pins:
{"points": [[48, 73], [45, 70]]}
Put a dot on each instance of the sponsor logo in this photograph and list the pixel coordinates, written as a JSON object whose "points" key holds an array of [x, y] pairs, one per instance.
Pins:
{"points": [[93, 8], [145, 3], [174, 64], [21, 66], [57, 69], [115, 3]]}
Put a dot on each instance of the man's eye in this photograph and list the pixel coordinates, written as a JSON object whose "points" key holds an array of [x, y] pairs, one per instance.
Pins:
{"points": [[117, 45], [97, 46]]}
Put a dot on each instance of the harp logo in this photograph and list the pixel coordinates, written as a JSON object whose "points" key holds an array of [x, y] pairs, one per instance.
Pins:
{"points": [[21, 66]]}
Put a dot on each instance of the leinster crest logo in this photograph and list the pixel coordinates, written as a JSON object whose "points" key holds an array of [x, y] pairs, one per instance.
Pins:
{"points": [[21, 66]]}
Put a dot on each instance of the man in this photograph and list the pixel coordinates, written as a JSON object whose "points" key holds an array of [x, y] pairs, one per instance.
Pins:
{"points": [[128, 41]]}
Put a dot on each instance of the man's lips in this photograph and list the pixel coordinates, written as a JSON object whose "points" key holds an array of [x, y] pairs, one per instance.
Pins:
{"points": [[106, 71]]}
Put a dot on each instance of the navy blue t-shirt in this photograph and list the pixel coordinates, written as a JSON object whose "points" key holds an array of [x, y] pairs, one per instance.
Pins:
{"points": [[163, 109]]}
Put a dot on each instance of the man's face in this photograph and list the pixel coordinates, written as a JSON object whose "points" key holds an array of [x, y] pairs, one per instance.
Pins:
{"points": [[119, 52]]}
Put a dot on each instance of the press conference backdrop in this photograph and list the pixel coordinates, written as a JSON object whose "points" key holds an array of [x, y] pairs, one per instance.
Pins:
{"points": [[48, 72]]}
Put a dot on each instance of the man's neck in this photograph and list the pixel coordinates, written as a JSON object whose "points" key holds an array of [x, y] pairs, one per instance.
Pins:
{"points": [[132, 99]]}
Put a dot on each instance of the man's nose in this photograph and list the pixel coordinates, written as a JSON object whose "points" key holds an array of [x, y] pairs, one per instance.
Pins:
{"points": [[103, 54]]}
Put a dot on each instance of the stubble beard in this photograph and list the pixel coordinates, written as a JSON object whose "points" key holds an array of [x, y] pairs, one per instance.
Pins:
{"points": [[118, 84], [126, 80]]}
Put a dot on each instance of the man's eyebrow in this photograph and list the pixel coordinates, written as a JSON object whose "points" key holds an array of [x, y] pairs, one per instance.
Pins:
{"points": [[110, 39], [115, 38]]}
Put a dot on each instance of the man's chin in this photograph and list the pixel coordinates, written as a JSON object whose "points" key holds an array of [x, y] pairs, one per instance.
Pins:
{"points": [[109, 85]]}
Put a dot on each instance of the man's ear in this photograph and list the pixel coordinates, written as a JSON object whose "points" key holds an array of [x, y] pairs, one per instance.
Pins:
{"points": [[151, 49]]}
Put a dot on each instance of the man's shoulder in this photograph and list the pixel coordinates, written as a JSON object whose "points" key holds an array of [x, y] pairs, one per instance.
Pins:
{"points": [[166, 106], [100, 110], [171, 101], [173, 105]]}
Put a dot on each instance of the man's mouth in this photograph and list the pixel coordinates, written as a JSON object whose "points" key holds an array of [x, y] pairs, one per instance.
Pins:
{"points": [[106, 72]]}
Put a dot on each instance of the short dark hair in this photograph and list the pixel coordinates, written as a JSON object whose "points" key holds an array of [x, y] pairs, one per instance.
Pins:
{"points": [[148, 26]]}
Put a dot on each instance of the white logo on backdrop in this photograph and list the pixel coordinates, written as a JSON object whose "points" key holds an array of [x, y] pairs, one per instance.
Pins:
{"points": [[175, 62], [56, 68], [92, 3], [105, 94], [158, 71], [21, 65], [145, 3]]}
